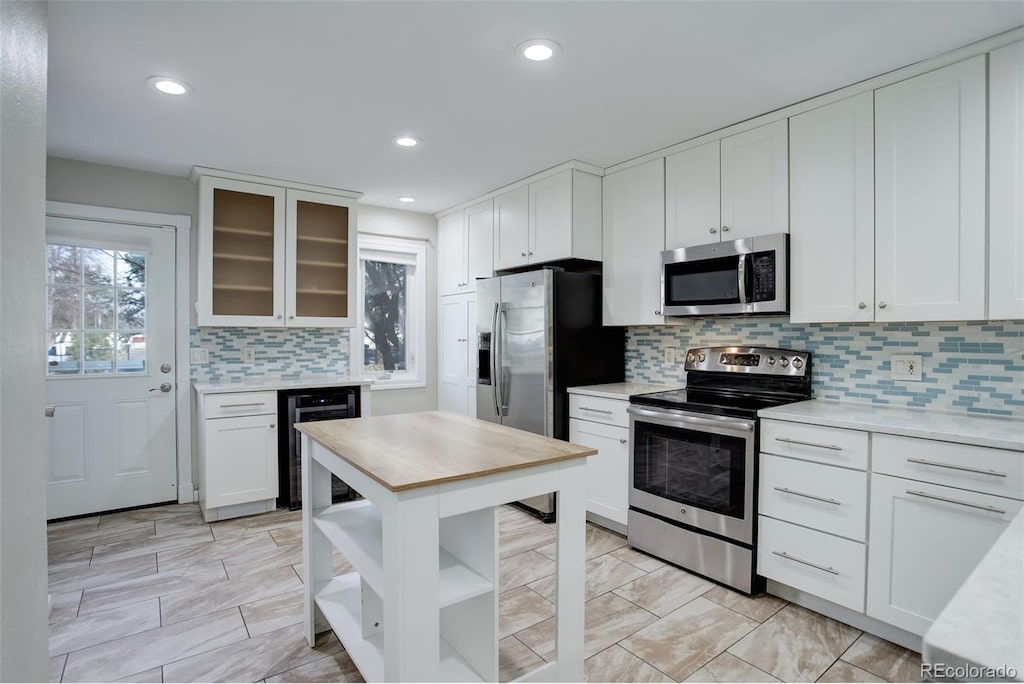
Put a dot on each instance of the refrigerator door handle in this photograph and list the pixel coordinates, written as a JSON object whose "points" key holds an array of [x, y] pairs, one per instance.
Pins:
{"points": [[494, 361], [503, 324]]}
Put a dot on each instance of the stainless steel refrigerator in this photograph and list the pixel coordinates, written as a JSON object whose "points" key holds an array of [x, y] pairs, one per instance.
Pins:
{"points": [[538, 333]]}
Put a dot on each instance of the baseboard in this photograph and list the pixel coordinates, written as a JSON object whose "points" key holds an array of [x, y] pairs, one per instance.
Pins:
{"points": [[604, 522]]}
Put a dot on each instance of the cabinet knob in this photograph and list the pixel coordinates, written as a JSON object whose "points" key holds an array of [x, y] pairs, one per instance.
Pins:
{"points": [[522, 254], [725, 229], [657, 312], [881, 305], [623, 441], [460, 339], [292, 317], [278, 316], [529, 254], [271, 425], [862, 305], [713, 230]]}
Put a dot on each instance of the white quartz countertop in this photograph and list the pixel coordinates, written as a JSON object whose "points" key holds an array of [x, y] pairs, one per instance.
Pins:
{"points": [[1001, 433], [621, 390], [983, 625], [255, 384]]}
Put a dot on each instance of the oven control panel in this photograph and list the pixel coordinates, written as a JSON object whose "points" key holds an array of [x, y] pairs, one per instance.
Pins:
{"points": [[759, 360]]}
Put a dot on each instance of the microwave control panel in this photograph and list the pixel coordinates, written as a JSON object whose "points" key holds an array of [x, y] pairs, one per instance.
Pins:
{"points": [[764, 276]]}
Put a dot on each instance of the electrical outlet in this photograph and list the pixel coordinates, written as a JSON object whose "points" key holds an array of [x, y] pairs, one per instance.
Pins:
{"points": [[248, 355], [199, 355], [907, 367], [670, 356]]}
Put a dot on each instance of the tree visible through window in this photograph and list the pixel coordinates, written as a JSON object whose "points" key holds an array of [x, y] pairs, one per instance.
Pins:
{"points": [[384, 316]]}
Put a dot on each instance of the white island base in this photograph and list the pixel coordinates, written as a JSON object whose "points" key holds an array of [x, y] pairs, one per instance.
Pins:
{"points": [[422, 604]]}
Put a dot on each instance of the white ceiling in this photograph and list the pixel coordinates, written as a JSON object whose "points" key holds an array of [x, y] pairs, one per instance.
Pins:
{"points": [[315, 91]]}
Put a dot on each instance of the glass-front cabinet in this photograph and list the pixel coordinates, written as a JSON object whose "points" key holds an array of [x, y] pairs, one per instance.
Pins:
{"points": [[275, 255]]}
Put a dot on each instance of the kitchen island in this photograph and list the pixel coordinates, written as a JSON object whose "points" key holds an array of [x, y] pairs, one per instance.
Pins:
{"points": [[422, 603]]}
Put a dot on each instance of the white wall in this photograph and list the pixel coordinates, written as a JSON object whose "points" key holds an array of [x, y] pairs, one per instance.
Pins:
{"points": [[23, 576], [409, 224]]}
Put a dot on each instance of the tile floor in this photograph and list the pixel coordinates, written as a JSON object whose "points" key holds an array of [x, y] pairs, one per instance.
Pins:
{"points": [[157, 595]]}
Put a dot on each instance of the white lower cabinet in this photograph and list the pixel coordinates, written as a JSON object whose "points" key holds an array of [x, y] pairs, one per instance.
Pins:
{"points": [[237, 454], [608, 471], [457, 354], [925, 540]]}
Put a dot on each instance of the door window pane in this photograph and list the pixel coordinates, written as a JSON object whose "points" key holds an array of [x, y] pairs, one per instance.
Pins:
{"points": [[95, 310], [384, 316]]}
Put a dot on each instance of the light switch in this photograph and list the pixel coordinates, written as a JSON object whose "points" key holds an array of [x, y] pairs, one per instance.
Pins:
{"points": [[199, 355]]}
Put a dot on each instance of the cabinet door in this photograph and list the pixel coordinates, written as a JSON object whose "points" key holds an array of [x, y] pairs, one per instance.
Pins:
{"points": [[241, 460], [913, 570], [832, 220], [321, 265], [511, 229], [633, 239], [930, 196], [1006, 182], [456, 351], [451, 254], [241, 253], [755, 182], [692, 197], [479, 244], [550, 218], [608, 471]]}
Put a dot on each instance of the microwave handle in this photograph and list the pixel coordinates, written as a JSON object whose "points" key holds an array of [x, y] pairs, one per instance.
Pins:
{"points": [[741, 278]]}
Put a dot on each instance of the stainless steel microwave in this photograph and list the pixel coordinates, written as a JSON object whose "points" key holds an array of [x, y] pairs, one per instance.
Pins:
{"points": [[748, 276]]}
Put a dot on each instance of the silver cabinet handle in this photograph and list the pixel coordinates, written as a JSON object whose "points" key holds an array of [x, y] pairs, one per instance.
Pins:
{"points": [[164, 387], [925, 495], [713, 230], [823, 568], [882, 305], [980, 471], [49, 411], [862, 305], [787, 440], [725, 229], [784, 490], [255, 403], [594, 410]]}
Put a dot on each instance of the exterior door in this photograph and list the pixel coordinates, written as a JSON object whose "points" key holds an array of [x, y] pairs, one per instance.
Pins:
{"points": [[110, 366]]}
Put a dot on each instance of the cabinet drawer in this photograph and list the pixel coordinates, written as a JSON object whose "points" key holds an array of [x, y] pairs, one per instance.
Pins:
{"points": [[823, 497], [240, 404], [812, 561], [833, 446], [599, 409], [979, 469]]}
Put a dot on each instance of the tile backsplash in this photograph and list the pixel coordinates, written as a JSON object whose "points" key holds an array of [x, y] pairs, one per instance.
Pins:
{"points": [[975, 367], [285, 352]]}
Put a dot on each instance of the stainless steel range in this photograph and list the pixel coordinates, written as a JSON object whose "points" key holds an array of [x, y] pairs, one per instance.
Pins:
{"points": [[693, 459]]}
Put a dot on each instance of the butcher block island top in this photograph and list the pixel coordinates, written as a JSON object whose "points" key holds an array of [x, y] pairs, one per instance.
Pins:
{"points": [[412, 450]]}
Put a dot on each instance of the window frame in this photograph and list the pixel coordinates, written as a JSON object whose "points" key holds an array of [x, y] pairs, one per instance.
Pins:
{"points": [[413, 252]]}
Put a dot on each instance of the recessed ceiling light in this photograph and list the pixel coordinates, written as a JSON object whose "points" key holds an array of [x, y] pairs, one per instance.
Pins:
{"points": [[407, 141], [168, 85], [539, 49], [406, 199]]}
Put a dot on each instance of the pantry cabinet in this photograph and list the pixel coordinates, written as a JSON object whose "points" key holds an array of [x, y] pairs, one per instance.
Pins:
{"points": [[728, 189], [457, 355], [554, 218], [832, 219], [1006, 182], [466, 248], [275, 255], [930, 196], [633, 239]]}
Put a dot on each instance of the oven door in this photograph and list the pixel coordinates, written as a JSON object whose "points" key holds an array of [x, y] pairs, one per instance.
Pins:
{"points": [[694, 469]]}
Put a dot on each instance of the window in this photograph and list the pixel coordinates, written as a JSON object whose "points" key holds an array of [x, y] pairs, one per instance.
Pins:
{"points": [[95, 310], [393, 297]]}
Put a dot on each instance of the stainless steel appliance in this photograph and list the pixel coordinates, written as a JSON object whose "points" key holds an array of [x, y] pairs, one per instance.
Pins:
{"points": [[303, 406], [538, 333], [693, 459], [748, 276]]}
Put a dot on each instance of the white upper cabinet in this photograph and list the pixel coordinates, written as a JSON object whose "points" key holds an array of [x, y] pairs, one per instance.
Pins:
{"points": [[693, 196], [930, 196], [832, 219], [634, 237], [755, 175], [1006, 182], [728, 189], [274, 256], [466, 248], [511, 228], [558, 217]]}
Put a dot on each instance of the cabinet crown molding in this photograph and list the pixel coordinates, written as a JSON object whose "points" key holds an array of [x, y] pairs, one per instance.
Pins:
{"points": [[200, 171]]}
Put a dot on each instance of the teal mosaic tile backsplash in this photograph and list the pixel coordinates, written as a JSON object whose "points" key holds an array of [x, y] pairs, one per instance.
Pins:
{"points": [[286, 352], [973, 367]]}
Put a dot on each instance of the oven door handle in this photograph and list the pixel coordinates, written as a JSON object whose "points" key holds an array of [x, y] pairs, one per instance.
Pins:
{"points": [[717, 422]]}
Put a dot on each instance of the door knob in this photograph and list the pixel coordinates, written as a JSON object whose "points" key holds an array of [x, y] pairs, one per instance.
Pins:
{"points": [[166, 368], [164, 387]]}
